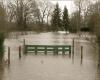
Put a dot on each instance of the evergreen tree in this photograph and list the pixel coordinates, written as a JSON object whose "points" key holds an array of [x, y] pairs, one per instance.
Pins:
{"points": [[56, 19], [65, 19]]}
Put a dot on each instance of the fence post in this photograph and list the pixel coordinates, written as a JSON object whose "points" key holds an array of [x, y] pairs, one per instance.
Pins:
{"points": [[24, 46], [81, 54], [19, 52], [73, 50], [24, 42], [8, 55], [99, 58], [70, 52]]}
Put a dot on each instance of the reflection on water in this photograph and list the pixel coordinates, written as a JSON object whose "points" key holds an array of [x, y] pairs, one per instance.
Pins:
{"points": [[1, 71], [50, 67], [98, 74]]}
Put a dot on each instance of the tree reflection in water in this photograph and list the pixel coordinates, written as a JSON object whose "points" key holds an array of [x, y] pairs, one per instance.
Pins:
{"points": [[1, 71]]}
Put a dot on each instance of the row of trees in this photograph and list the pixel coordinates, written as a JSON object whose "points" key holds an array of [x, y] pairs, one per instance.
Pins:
{"points": [[87, 15], [25, 14], [60, 21], [29, 14], [33, 15]]}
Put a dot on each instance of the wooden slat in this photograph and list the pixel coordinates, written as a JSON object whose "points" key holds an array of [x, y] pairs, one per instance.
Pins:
{"points": [[46, 48]]}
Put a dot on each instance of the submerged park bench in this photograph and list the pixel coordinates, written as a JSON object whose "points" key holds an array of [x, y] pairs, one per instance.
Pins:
{"points": [[47, 48]]}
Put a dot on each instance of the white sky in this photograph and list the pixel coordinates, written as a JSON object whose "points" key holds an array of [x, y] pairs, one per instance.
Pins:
{"points": [[69, 4]]}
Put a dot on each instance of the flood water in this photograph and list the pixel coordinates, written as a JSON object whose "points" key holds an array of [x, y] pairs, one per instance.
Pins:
{"points": [[51, 67]]}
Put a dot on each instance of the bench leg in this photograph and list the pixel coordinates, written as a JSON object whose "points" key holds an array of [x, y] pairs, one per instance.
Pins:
{"points": [[63, 52], [55, 51], [45, 50], [35, 50], [70, 53]]}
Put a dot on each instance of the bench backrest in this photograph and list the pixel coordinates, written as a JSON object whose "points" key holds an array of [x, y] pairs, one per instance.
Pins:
{"points": [[33, 48]]}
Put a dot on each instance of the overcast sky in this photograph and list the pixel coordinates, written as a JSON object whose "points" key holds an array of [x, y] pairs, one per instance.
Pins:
{"points": [[69, 4]]}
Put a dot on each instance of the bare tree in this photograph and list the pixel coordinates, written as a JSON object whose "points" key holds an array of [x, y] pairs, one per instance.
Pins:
{"points": [[43, 8], [79, 6], [93, 17], [46, 9], [49, 13], [74, 21], [82, 9], [2, 18], [22, 12]]}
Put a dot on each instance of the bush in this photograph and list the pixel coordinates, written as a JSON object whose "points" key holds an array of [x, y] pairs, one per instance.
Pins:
{"points": [[1, 45]]}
